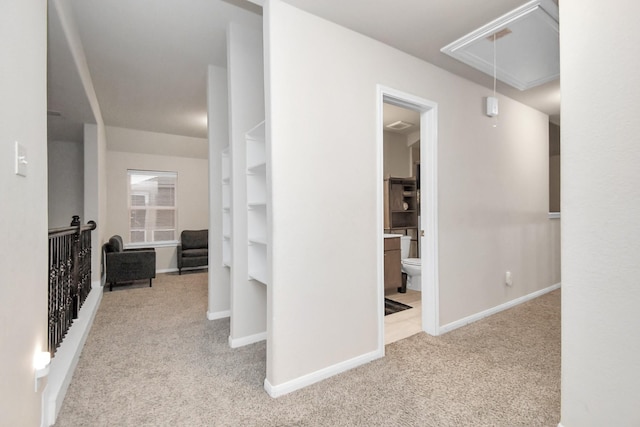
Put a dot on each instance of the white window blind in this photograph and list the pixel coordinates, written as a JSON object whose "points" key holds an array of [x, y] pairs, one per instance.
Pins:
{"points": [[152, 206]]}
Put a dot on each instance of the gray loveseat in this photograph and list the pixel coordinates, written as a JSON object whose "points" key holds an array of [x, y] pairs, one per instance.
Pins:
{"points": [[193, 250], [127, 265]]}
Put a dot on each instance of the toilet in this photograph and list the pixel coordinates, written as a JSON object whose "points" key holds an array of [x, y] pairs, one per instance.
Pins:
{"points": [[411, 266]]}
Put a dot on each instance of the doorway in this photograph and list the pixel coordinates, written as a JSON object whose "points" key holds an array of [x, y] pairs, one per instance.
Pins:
{"points": [[427, 238]]}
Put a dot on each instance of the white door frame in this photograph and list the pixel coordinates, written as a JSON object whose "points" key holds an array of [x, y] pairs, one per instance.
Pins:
{"points": [[428, 204]]}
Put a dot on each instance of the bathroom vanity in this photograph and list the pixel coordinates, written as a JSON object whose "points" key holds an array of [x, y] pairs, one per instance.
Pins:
{"points": [[392, 263]]}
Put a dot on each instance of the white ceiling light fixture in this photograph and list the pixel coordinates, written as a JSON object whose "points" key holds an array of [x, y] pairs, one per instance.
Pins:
{"points": [[528, 39], [399, 125], [492, 101]]}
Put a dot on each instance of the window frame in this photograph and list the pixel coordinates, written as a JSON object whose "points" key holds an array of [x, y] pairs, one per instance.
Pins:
{"points": [[149, 232]]}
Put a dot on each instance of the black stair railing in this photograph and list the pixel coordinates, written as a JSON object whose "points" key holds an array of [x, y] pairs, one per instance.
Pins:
{"points": [[69, 277]]}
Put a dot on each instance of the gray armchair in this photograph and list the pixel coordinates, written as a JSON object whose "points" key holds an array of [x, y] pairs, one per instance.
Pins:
{"points": [[127, 265], [193, 250]]}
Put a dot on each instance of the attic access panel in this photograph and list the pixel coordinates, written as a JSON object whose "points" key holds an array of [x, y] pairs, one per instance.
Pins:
{"points": [[526, 42]]}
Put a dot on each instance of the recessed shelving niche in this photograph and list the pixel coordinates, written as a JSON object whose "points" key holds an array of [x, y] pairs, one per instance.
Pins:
{"points": [[226, 208], [257, 204]]}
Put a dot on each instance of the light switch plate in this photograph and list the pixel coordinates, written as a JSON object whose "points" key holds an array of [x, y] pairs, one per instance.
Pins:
{"points": [[21, 159]]}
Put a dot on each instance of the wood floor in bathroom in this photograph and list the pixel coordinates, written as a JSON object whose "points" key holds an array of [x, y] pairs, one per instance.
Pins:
{"points": [[405, 323]]}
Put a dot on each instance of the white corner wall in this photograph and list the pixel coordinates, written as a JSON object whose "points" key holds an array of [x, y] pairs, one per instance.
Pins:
{"points": [[192, 191], [493, 193], [23, 223], [218, 113], [600, 205], [94, 198], [95, 192], [65, 161]]}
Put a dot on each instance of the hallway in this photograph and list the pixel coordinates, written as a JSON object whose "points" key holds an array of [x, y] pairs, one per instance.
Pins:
{"points": [[153, 359]]}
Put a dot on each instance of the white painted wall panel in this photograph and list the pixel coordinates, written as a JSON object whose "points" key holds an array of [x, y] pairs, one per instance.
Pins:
{"points": [[397, 156], [493, 191], [600, 205], [66, 182], [218, 106], [23, 222], [246, 109]]}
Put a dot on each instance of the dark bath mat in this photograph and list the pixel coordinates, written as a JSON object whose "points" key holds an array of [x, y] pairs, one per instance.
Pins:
{"points": [[391, 306]]}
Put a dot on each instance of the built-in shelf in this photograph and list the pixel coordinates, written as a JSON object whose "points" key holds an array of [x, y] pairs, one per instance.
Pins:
{"points": [[226, 251], [257, 262], [258, 169], [226, 207], [400, 204], [258, 240], [257, 204], [226, 165]]}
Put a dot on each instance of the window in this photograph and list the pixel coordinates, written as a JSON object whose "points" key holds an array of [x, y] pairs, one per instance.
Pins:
{"points": [[554, 168], [152, 206]]}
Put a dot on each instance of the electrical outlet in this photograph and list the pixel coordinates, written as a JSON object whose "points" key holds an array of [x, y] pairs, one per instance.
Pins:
{"points": [[508, 280]]}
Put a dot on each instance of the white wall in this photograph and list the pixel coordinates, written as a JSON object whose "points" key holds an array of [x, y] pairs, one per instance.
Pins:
{"points": [[23, 223], [600, 205], [66, 182], [95, 191], [397, 156], [554, 167], [164, 144], [94, 150], [246, 110], [192, 191], [218, 113], [493, 192], [554, 183]]}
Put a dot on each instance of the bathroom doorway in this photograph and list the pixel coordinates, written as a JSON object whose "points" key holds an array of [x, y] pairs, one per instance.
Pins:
{"points": [[413, 157], [401, 211]]}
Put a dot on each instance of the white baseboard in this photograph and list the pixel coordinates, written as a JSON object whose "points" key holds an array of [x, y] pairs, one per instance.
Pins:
{"points": [[214, 315], [322, 374], [240, 342], [560, 425], [66, 358], [475, 317]]}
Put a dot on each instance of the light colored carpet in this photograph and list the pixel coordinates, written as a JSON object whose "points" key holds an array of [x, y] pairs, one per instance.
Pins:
{"points": [[153, 359]]}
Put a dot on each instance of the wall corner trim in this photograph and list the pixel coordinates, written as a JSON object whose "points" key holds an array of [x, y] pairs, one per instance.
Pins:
{"points": [[509, 304], [215, 315], [322, 374], [66, 359]]}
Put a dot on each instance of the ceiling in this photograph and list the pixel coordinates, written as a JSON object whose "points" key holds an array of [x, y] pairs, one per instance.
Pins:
{"points": [[422, 27], [148, 59], [392, 114]]}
